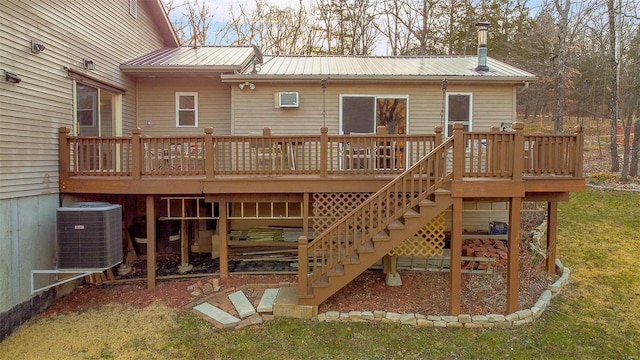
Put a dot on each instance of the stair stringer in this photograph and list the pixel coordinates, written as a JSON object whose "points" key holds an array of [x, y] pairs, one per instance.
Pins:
{"points": [[397, 233]]}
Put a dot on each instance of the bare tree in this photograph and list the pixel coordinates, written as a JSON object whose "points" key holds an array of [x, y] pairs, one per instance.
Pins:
{"points": [[348, 27], [635, 147], [179, 23], [563, 12], [193, 27], [397, 37], [613, 100]]}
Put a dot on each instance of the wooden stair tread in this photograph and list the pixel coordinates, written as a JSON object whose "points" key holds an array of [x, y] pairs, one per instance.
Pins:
{"points": [[381, 236], [351, 259], [323, 281], [367, 247], [337, 270], [411, 214], [396, 224], [427, 203]]}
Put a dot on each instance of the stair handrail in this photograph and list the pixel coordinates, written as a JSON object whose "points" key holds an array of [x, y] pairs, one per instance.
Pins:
{"points": [[429, 173]]}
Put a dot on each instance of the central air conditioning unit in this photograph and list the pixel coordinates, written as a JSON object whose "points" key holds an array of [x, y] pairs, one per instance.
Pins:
{"points": [[89, 236], [288, 99]]}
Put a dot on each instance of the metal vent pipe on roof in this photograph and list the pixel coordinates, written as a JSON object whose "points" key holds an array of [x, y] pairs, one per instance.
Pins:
{"points": [[483, 28]]}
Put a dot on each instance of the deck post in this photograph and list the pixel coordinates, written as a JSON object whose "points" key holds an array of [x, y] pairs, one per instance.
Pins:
{"points": [[455, 274], [579, 152], [552, 227], [305, 214], [209, 153], [458, 151], [438, 139], [513, 254], [224, 241], [136, 153], [303, 266], [518, 152], [65, 154], [324, 151], [151, 242]]}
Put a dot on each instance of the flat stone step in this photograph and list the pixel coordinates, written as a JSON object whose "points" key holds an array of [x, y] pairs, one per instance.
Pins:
{"points": [[216, 314], [267, 300], [242, 304]]}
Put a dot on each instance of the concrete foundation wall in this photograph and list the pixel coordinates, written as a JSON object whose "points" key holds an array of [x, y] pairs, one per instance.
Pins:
{"points": [[27, 242]]}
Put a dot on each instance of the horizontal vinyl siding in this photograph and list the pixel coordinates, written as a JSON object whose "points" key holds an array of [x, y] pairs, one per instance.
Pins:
{"points": [[254, 109], [32, 111], [157, 103]]}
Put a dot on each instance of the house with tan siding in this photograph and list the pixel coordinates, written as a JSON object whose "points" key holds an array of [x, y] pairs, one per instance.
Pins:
{"points": [[331, 90], [355, 158], [60, 67]]}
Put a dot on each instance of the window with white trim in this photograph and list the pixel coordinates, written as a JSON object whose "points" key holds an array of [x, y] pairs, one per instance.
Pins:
{"points": [[186, 109], [458, 109]]}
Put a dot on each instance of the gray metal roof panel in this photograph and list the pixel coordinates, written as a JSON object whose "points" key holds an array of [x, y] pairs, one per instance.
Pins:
{"points": [[372, 66], [187, 56]]}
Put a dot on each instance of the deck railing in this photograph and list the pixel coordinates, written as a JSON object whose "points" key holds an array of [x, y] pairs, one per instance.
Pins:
{"points": [[492, 154]]}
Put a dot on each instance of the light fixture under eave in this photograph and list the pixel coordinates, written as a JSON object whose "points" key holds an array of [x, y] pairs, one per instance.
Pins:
{"points": [[251, 86], [89, 64], [12, 78]]}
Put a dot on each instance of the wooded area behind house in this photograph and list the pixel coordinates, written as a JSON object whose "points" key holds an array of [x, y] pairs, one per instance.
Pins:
{"points": [[587, 53]]}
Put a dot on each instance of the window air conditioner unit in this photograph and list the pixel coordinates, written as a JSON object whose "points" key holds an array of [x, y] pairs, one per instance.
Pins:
{"points": [[288, 99]]}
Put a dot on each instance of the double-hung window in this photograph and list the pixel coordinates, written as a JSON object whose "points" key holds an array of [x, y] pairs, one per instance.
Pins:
{"points": [[186, 109]]}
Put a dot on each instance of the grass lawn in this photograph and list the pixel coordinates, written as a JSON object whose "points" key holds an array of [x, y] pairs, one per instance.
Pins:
{"points": [[596, 317]]}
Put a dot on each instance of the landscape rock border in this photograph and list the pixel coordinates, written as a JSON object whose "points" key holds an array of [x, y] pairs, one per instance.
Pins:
{"points": [[518, 318]]}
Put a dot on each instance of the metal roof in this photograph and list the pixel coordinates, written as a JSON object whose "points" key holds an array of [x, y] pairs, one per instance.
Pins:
{"points": [[187, 57], [238, 59], [381, 67]]}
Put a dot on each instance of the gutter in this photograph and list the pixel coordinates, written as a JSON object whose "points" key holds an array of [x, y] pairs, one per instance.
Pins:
{"points": [[233, 78]]}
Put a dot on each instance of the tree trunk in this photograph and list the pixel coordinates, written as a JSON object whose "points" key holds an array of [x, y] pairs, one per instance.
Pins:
{"points": [[635, 148], [613, 84], [626, 130]]}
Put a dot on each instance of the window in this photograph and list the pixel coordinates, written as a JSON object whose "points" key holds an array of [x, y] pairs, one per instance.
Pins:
{"points": [[186, 109], [133, 8], [458, 109], [364, 113], [86, 105]]}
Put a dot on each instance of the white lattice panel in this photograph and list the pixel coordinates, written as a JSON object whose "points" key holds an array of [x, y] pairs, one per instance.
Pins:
{"points": [[428, 241], [331, 207]]}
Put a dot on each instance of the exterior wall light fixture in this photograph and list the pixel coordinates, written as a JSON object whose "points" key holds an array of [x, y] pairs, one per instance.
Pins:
{"points": [[12, 78], [37, 47], [89, 64], [251, 86]]}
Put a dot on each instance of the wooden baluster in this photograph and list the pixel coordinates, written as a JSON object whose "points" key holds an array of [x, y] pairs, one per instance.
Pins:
{"points": [[578, 151], [458, 151], [518, 151], [324, 151], [136, 153], [209, 154]]}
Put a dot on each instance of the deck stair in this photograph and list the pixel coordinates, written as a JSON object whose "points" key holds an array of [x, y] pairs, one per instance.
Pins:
{"points": [[364, 257], [375, 227]]}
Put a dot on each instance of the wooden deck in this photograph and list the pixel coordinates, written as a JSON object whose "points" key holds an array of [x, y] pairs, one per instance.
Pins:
{"points": [[490, 163], [411, 179]]}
